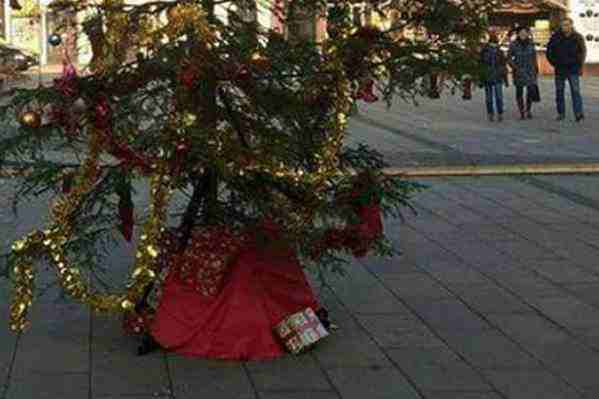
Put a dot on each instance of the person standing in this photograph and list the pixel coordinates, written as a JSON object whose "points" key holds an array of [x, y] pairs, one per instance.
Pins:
{"points": [[566, 52], [495, 62], [522, 58]]}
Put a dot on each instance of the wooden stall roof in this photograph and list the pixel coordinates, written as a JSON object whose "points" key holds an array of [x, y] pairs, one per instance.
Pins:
{"points": [[530, 6]]}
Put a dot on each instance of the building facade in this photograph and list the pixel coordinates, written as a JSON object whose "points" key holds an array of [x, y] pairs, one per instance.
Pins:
{"points": [[30, 31]]}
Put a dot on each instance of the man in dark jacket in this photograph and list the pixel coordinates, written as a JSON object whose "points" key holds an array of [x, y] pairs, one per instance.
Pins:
{"points": [[566, 52]]}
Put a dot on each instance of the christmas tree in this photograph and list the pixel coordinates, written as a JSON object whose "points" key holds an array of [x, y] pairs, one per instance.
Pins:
{"points": [[244, 123]]}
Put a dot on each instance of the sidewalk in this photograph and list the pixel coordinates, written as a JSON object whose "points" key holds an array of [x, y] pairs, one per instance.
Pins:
{"points": [[450, 131], [496, 294]]}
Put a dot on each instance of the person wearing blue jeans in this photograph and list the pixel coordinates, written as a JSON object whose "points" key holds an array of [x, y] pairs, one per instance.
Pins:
{"points": [[566, 52], [494, 99], [560, 95], [495, 63]]}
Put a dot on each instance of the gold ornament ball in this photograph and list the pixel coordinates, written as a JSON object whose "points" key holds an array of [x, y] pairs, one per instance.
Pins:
{"points": [[31, 119]]}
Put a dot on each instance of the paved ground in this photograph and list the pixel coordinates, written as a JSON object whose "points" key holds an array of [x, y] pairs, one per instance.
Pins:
{"points": [[496, 294], [450, 131]]}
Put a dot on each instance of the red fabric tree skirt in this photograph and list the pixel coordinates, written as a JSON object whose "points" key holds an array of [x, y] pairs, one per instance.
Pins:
{"points": [[260, 290]]}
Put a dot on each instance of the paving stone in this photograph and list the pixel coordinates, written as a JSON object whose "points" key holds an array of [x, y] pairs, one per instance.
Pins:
{"points": [[116, 368], [438, 369], [490, 298], [524, 251], [460, 275], [568, 311], [462, 395], [191, 379], [563, 272], [417, 285], [391, 331], [586, 292], [373, 298], [8, 341], [518, 384], [457, 215], [57, 332], [283, 375], [490, 350], [49, 386], [575, 362], [350, 346], [388, 267], [299, 395], [526, 284], [383, 383], [528, 329], [576, 251], [449, 315]]}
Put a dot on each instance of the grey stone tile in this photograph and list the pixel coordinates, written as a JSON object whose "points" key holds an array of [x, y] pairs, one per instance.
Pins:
{"points": [[350, 347], [57, 332], [528, 329], [282, 374], [460, 275], [531, 385], [486, 231], [391, 331], [586, 292], [7, 346], [575, 362], [438, 369], [524, 251], [372, 298], [383, 383], [116, 368], [462, 395], [490, 350], [568, 311], [299, 395], [528, 285], [589, 336], [563, 272], [388, 267], [192, 380], [417, 285], [449, 315], [49, 386], [490, 298]]}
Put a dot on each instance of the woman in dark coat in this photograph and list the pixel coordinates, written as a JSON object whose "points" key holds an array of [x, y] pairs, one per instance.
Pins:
{"points": [[522, 58]]}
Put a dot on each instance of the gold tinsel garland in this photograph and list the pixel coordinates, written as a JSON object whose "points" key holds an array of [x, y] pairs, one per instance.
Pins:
{"points": [[51, 243]]}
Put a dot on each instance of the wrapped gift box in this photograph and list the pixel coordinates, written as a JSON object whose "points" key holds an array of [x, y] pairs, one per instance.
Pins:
{"points": [[300, 331]]}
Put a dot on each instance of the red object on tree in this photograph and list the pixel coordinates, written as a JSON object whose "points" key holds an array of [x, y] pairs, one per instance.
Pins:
{"points": [[467, 88], [366, 91], [67, 84], [102, 113], [189, 76], [361, 236]]}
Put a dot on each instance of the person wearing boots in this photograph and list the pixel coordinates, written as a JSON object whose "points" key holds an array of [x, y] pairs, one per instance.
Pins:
{"points": [[495, 63], [522, 58], [566, 52]]}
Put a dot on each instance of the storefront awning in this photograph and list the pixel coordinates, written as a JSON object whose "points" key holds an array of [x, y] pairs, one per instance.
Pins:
{"points": [[530, 6]]}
